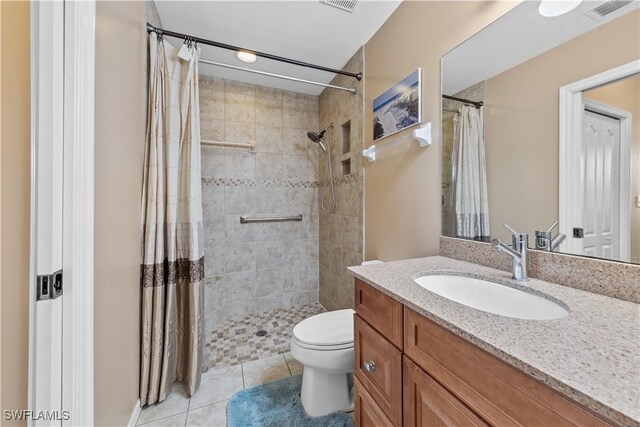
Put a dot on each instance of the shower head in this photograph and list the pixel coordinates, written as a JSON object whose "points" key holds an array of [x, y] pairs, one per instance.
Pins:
{"points": [[314, 136], [318, 137]]}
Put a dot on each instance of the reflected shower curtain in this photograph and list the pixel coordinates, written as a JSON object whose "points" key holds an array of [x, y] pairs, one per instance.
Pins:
{"points": [[172, 247], [471, 198]]}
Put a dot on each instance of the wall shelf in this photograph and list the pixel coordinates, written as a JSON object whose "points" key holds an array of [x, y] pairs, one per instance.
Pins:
{"points": [[422, 134]]}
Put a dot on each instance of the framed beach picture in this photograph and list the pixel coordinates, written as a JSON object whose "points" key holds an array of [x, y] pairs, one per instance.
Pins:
{"points": [[399, 107]]}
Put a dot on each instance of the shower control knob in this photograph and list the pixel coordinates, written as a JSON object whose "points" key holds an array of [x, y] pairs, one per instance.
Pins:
{"points": [[369, 366]]}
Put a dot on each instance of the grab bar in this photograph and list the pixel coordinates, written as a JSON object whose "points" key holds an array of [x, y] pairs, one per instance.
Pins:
{"points": [[251, 145], [247, 220]]}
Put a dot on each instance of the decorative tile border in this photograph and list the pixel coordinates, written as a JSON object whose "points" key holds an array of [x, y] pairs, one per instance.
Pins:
{"points": [[344, 179], [610, 278], [235, 182], [235, 341]]}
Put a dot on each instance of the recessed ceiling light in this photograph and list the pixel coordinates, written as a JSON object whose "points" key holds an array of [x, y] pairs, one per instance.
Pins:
{"points": [[551, 8], [245, 56]]}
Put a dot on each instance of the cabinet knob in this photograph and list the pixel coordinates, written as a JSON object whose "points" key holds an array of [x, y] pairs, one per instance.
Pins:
{"points": [[369, 366]]}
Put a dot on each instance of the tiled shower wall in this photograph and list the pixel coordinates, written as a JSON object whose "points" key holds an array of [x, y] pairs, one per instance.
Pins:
{"points": [[261, 266], [341, 231]]}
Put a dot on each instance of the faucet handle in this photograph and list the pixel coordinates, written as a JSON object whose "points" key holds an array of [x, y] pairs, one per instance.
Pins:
{"points": [[511, 230], [518, 239], [552, 227]]}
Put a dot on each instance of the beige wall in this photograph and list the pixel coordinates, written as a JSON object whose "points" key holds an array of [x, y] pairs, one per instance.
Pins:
{"points": [[402, 188], [14, 203], [625, 94], [521, 122], [120, 128]]}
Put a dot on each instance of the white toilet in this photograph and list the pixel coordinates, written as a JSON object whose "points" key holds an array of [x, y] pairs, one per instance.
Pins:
{"points": [[323, 344]]}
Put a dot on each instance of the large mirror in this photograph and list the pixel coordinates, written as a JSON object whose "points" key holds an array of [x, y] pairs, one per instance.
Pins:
{"points": [[541, 124]]}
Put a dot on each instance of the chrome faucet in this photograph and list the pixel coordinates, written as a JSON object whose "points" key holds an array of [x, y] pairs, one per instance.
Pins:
{"points": [[545, 240], [519, 252]]}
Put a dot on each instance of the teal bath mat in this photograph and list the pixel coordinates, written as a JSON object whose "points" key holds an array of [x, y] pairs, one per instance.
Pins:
{"points": [[277, 404]]}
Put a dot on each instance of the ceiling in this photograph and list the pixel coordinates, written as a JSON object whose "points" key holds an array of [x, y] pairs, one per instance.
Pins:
{"points": [[307, 31], [519, 35]]}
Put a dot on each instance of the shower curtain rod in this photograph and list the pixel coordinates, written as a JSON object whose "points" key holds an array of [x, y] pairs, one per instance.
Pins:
{"points": [[160, 31], [477, 104], [278, 76]]}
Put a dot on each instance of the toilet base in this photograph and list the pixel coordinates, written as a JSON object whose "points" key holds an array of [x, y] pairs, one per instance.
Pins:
{"points": [[324, 392]]}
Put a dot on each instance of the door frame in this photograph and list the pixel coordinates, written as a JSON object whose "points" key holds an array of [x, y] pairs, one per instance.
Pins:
{"points": [[78, 217], [570, 173]]}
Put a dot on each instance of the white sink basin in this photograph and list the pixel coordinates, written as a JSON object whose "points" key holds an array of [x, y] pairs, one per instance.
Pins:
{"points": [[492, 297]]}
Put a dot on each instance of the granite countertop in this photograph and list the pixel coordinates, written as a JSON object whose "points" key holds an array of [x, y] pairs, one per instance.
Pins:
{"points": [[592, 355]]}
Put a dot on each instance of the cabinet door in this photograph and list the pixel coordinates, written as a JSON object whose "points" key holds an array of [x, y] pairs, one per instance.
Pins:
{"points": [[499, 393], [368, 413], [378, 366], [428, 404]]}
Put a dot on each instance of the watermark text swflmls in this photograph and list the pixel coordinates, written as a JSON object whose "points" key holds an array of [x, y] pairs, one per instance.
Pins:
{"points": [[28, 414]]}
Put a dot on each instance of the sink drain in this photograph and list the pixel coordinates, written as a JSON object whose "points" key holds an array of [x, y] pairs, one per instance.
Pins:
{"points": [[261, 333]]}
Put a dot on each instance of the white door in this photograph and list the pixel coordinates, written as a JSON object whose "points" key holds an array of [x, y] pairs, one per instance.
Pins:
{"points": [[601, 209], [47, 100]]}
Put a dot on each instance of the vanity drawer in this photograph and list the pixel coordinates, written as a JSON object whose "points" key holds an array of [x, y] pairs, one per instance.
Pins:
{"points": [[378, 367], [498, 393], [368, 413], [427, 403], [380, 311]]}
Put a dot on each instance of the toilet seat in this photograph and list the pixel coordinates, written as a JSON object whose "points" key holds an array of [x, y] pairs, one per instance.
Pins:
{"points": [[328, 331], [323, 347]]}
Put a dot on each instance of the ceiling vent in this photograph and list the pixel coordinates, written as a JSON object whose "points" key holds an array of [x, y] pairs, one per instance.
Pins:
{"points": [[346, 5], [606, 8]]}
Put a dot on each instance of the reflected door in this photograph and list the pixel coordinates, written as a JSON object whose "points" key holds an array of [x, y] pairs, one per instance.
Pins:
{"points": [[601, 209]]}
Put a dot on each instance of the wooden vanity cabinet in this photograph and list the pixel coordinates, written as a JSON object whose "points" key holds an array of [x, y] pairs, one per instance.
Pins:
{"points": [[428, 403], [368, 413], [380, 311], [435, 378], [378, 367]]}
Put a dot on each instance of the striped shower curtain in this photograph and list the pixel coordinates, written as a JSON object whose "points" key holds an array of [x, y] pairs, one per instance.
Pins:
{"points": [[471, 196], [172, 248]]}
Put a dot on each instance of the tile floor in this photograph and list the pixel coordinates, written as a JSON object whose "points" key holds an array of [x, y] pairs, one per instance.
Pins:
{"points": [[235, 341], [238, 359], [208, 406]]}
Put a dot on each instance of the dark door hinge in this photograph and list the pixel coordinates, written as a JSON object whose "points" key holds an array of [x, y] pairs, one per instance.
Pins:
{"points": [[49, 286]]}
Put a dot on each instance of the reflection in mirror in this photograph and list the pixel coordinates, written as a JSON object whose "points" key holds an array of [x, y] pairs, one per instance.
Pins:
{"points": [[570, 176]]}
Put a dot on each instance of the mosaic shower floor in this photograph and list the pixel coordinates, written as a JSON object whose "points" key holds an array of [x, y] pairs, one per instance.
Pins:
{"points": [[235, 341]]}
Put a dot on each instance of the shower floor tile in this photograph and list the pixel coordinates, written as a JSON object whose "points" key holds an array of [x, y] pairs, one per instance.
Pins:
{"points": [[235, 341]]}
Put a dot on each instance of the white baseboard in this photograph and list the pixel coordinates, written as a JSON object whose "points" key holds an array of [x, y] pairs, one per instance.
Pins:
{"points": [[135, 414]]}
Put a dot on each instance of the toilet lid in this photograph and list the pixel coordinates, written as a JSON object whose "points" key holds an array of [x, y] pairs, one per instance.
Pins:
{"points": [[326, 329]]}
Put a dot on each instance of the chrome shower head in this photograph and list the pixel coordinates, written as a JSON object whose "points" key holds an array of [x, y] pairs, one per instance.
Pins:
{"points": [[314, 136], [318, 137]]}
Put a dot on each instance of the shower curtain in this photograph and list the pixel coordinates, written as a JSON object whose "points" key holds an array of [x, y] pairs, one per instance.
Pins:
{"points": [[471, 199], [172, 347]]}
